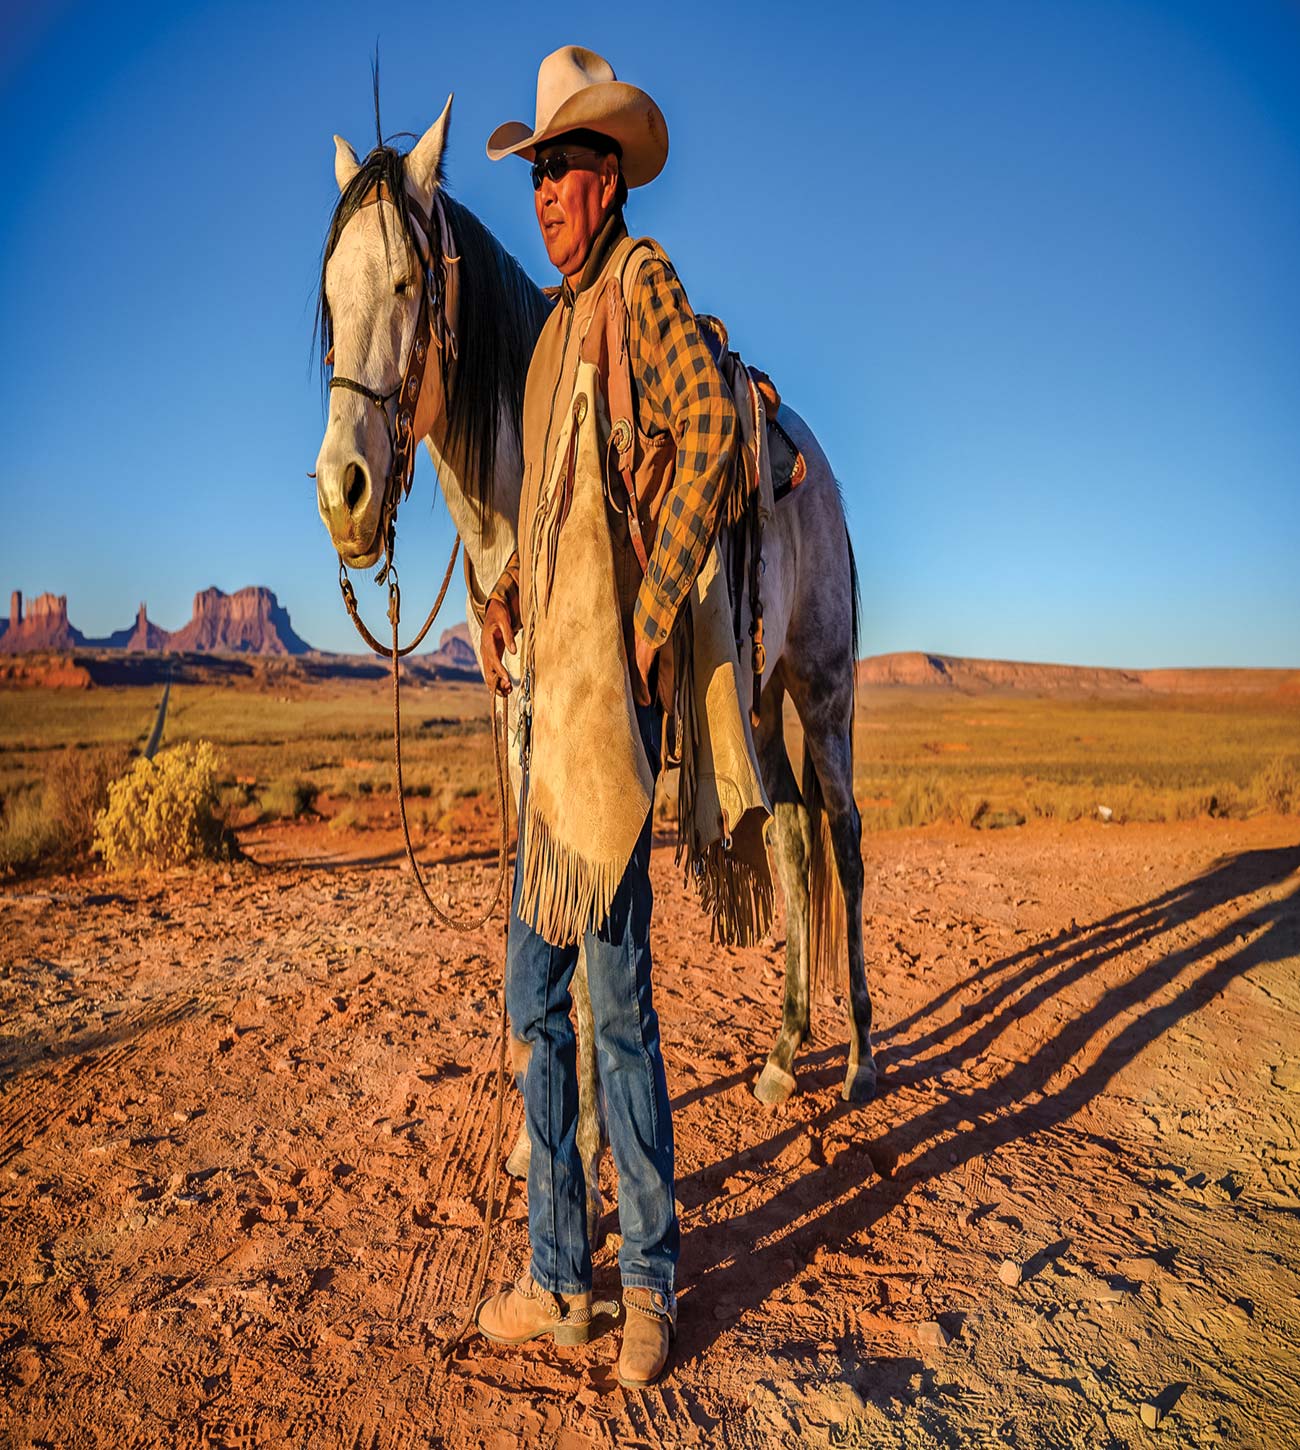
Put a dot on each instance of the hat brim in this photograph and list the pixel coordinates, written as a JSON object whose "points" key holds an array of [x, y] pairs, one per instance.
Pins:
{"points": [[624, 113]]}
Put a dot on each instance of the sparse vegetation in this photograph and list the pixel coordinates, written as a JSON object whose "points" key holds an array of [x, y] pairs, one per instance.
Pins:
{"points": [[288, 798], [53, 819], [922, 757], [1278, 786], [346, 820], [163, 812], [27, 831], [997, 760], [76, 791]]}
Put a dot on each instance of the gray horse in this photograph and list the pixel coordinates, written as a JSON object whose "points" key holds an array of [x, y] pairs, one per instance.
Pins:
{"points": [[377, 259]]}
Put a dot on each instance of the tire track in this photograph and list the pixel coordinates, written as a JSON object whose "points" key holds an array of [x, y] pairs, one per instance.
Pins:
{"points": [[413, 1282], [65, 1088], [473, 1135], [69, 1085], [442, 1269]]}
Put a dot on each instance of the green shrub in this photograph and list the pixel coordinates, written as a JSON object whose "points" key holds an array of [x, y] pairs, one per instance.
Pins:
{"points": [[288, 798], [163, 812]]}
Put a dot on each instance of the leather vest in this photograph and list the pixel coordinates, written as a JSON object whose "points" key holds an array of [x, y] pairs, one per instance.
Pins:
{"points": [[571, 330]]}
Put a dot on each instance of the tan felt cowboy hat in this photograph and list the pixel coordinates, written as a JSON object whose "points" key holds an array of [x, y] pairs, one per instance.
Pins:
{"points": [[578, 91]]}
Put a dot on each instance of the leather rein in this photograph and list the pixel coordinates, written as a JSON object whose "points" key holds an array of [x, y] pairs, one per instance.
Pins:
{"points": [[432, 329]]}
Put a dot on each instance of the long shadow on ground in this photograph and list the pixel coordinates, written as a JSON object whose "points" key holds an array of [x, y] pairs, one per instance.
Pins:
{"points": [[720, 1262]]}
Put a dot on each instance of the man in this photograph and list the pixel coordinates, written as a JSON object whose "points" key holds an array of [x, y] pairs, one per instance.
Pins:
{"points": [[594, 138]]}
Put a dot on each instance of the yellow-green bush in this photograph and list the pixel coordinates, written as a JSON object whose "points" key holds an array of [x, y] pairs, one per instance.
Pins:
{"points": [[163, 812], [1277, 786], [288, 798]]}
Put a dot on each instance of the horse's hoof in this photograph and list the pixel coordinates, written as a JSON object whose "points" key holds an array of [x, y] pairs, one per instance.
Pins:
{"points": [[774, 1085], [860, 1083], [517, 1163]]}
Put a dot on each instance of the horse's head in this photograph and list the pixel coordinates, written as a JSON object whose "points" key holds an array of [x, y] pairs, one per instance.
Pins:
{"points": [[377, 263]]}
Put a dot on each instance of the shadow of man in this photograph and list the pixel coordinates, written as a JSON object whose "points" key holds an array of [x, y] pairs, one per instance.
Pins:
{"points": [[738, 1262]]}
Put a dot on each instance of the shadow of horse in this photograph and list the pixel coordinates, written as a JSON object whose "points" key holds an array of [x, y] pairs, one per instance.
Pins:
{"points": [[739, 1262]]}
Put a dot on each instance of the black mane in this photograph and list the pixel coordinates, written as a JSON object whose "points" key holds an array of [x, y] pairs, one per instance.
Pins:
{"points": [[501, 312]]}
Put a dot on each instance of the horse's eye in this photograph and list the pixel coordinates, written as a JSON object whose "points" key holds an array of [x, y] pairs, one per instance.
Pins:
{"points": [[400, 289]]}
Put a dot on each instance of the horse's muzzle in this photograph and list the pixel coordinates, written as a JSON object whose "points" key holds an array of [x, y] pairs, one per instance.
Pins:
{"points": [[349, 510]]}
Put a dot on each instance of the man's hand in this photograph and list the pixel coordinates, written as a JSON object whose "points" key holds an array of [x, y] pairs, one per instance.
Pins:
{"points": [[645, 657], [498, 639]]}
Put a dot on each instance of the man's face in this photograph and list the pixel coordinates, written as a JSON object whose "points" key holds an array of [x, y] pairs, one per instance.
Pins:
{"points": [[570, 211]]}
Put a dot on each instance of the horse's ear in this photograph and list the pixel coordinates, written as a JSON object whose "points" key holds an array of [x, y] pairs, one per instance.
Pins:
{"points": [[346, 164], [424, 163]]}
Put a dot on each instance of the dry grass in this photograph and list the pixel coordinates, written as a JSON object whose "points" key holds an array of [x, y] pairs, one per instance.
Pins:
{"points": [[995, 760], [28, 833], [53, 818], [985, 761]]}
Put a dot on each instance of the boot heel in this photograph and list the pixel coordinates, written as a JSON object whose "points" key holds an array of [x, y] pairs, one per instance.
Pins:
{"points": [[568, 1334]]}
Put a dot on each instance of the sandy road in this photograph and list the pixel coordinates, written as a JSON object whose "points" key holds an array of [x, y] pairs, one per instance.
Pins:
{"points": [[245, 1122]]}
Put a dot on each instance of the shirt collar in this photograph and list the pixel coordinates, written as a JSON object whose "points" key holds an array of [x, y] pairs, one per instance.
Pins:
{"points": [[611, 233]]}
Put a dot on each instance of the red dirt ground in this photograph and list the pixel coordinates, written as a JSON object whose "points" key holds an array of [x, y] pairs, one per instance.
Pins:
{"points": [[246, 1117]]}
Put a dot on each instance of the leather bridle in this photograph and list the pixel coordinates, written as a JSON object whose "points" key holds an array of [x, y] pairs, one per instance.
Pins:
{"points": [[432, 330]]}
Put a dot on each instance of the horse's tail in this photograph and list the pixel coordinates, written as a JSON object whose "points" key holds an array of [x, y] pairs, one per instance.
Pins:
{"points": [[828, 923]]}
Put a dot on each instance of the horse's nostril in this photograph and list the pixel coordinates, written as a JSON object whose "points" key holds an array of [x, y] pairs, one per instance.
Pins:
{"points": [[354, 484]]}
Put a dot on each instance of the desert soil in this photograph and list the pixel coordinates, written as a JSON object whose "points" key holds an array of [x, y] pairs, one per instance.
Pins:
{"points": [[246, 1119]]}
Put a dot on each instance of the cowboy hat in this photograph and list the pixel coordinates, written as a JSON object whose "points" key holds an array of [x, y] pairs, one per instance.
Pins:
{"points": [[578, 91]]}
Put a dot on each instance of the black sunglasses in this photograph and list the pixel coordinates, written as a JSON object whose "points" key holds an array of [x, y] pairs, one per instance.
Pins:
{"points": [[556, 164]]}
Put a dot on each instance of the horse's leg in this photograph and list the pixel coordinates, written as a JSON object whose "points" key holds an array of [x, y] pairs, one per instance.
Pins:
{"points": [[592, 1136], [828, 743], [591, 1115], [520, 1052], [792, 842]]}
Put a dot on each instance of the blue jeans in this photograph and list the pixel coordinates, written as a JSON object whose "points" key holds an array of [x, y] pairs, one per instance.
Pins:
{"points": [[631, 1070]]}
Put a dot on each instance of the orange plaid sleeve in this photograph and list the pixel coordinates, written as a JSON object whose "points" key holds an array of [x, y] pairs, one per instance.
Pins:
{"points": [[679, 391]]}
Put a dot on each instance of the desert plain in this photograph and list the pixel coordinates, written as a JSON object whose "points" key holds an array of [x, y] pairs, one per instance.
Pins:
{"points": [[246, 1108]]}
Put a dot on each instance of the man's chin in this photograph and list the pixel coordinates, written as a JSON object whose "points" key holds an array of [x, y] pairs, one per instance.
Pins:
{"points": [[559, 251]]}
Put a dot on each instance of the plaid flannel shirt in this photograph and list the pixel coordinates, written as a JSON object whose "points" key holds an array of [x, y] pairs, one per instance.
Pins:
{"points": [[680, 391]]}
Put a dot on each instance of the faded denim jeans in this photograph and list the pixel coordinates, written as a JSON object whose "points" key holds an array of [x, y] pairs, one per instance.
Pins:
{"points": [[631, 1069]]}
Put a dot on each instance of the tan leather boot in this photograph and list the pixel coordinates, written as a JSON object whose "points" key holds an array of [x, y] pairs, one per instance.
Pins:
{"points": [[650, 1322], [528, 1312]]}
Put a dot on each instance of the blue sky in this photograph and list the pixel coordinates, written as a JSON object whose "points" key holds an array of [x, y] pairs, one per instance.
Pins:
{"points": [[1029, 269]]}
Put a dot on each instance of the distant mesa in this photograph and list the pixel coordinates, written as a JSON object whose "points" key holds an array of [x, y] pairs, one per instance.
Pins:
{"points": [[45, 625], [145, 634], [249, 621], [455, 651], [916, 669], [953, 673]]}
